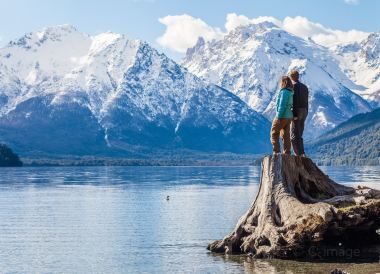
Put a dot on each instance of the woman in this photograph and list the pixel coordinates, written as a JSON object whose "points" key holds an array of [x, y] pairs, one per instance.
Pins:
{"points": [[284, 116]]}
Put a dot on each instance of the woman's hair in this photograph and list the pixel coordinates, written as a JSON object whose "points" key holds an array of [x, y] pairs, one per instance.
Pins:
{"points": [[286, 82]]}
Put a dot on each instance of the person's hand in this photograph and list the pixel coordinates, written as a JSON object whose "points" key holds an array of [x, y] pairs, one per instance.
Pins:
{"points": [[295, 118]]}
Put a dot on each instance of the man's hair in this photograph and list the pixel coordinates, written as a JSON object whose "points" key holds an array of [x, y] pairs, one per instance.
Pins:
{"points": [[286, 82], [294, 74]]}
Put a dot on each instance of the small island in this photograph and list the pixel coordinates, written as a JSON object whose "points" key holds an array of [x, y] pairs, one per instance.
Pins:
{"points": [[8, 158]]}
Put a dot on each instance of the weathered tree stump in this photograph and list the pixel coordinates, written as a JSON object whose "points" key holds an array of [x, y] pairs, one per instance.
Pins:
{"points": [[298, 205]]}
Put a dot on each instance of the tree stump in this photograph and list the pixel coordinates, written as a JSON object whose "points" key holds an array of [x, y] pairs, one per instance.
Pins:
{"points": [[297, 206]]}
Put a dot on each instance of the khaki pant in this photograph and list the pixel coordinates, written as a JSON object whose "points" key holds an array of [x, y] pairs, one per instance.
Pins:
{"points": [[281, 127]]}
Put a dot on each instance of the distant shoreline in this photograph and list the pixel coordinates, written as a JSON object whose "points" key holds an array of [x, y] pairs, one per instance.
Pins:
{"points": [[190, 160], [215, 160]]}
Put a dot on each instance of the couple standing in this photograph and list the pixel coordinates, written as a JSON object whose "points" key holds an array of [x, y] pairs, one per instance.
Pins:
{"points": [[291, 113]]}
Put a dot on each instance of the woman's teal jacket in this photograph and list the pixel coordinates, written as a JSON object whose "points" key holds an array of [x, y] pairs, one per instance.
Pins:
{"points": [[284, 104]]}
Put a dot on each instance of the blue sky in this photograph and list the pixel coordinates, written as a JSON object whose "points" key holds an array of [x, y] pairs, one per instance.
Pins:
{"points": [[139, 18]]}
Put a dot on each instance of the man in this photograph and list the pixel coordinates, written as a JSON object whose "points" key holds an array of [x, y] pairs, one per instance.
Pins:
{"points": [[300, 111]]}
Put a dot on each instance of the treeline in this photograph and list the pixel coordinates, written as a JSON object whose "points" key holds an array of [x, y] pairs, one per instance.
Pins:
{"points": [[354, 142], [157, 160], [347, 161]]}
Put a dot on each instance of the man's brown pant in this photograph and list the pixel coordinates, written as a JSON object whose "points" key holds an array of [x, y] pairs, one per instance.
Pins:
{"points": [[281, 127]]}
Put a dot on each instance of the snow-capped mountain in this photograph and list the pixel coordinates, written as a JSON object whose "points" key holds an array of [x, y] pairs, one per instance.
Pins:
{"points": [[361, 62], [65, 92], [250, 60]]}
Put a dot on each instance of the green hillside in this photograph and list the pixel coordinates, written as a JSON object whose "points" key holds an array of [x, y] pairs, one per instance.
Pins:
{"points": [[354, 142]]}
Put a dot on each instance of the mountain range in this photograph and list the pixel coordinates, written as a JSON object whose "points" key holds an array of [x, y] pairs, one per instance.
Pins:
{"points": [[63, 92], [250, 60], [361, 62], [67, 93]]}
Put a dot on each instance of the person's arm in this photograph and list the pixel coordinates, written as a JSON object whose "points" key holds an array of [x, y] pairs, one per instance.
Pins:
{"points": [[294, 107], [295, 103], [295, 113], [282, 102]]}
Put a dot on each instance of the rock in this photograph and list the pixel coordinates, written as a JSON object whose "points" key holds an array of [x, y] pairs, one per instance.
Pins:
{"points": [[298, 206]]}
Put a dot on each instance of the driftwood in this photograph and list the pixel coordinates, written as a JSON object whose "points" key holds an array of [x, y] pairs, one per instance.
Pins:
{"points": [[297, 206]]}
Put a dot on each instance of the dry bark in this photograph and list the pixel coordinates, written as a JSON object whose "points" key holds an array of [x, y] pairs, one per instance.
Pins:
{"points": [[298, 205]]}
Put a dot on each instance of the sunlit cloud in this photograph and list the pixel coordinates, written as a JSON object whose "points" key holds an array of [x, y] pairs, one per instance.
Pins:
{"points": [[320, 34], [183, 31]]}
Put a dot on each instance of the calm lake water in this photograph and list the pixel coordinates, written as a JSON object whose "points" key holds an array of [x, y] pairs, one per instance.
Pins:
{"points": [[117, 219]]}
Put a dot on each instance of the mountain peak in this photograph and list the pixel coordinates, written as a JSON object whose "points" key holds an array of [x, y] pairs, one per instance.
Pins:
{"points": [[265, 25], [250, 60], [53, 34], [252, 30], [190, 51], [361, 62], [64, 28], [57, 33], [103, 40], [371, 47]]}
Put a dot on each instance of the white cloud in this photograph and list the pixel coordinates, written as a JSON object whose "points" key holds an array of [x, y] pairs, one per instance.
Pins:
{"points": [[352, 2], [337, 36], [182, 31], [302, 27], [322, 35]]}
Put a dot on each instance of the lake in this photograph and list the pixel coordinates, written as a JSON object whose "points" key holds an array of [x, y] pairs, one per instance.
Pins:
{"points": [[118, 220]]}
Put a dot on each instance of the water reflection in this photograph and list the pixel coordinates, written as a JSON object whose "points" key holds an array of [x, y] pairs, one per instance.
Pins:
{"points": [[352, 175], [276, 266], [141, 176]]}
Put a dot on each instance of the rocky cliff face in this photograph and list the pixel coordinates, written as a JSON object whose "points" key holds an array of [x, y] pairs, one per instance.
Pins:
{"points": [[361, 62]]}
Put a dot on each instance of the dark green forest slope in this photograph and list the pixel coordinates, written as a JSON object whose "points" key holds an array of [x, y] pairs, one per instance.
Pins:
{"points": [[354, 142]]}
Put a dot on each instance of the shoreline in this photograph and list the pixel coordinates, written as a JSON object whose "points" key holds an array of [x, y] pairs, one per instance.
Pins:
{"points": [[109, 161]]}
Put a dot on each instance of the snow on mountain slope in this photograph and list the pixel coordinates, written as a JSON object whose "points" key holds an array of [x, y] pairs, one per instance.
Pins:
{"points": [[361, 62], [250, 61], [65, 92]]}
